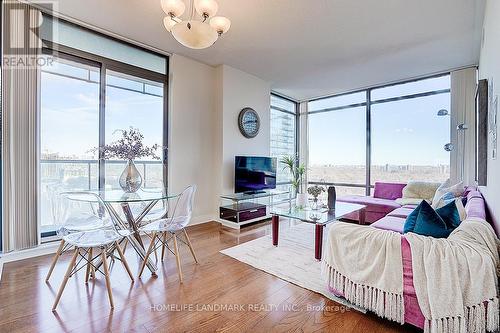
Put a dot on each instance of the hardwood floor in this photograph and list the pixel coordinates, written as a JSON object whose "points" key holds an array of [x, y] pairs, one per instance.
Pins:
{"points": [[259, 301]]}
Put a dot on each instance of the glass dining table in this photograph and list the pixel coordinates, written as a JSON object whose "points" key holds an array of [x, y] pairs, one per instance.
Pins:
{"points": [[143, 201]]}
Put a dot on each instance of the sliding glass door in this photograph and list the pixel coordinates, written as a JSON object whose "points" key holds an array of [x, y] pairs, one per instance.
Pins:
{"points": [[137, 102], [69, 129], [84, 105]]}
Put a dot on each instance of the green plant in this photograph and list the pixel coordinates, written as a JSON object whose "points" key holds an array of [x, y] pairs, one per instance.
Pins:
{"points": [[297, 171]]}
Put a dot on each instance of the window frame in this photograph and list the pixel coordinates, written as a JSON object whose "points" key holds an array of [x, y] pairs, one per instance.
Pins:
{"points": [[105, 64], [296, 115], [368, 104]]}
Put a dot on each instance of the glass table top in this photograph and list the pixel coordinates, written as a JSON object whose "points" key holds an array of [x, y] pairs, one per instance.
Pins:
{"points": [[319, 216], [245, 196], [119, 196]]}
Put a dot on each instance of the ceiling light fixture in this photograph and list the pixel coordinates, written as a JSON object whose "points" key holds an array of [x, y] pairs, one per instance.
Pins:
{"points": [[194, 33]]}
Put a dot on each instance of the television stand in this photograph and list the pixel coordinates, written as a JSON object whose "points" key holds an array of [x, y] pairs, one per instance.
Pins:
{"points": [[237, 210], [253, 192]]}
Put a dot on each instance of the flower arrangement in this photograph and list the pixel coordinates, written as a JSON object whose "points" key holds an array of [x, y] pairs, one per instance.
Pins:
{"points": [[129, 147], [315, 191]]}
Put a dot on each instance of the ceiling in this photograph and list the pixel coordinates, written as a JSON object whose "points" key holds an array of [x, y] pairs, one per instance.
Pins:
{"points": [[310, 48]]}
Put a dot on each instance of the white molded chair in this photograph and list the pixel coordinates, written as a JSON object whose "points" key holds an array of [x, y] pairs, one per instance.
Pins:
{"points": [[56, 205], [84, 211], [157, 212], [172, 226]]}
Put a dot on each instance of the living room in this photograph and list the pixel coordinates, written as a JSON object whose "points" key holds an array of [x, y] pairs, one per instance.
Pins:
{"points": [[215, 165]]}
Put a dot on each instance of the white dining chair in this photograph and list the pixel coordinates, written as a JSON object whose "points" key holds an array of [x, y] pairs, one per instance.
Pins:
{"points": [[87, 209], [56, 205], [172, 227]]}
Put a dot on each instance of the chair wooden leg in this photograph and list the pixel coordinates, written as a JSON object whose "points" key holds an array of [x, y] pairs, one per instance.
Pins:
{"points": [[89, 266], [124, 261], [163, 246], [106, 275], [54, 260], [92, 271], [190, 245], [156, 254], [148, 252], [125, 246], [66, 277], [177, 257]]}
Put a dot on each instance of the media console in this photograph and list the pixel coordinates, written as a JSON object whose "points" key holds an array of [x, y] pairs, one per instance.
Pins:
{"points": [[239, 209]]}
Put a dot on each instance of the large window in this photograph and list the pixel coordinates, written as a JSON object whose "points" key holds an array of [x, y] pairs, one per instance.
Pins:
{"points": [[85, 101], [283, 133], [391, 133], [337, 148], [137, 102]]}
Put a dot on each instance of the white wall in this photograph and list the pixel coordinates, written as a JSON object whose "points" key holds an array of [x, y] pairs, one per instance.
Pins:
{"points": [[236, 91], [203, 130], [489, 68], [192, 137]]}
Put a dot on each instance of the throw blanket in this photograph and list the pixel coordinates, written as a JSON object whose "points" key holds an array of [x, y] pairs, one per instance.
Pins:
{"points": [[365, 265], [414, 192], [455, 279]]}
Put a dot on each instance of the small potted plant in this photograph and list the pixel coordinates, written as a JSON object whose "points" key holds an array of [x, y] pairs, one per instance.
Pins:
{"points": [[129, 147], [315, 191], [297, 171]]}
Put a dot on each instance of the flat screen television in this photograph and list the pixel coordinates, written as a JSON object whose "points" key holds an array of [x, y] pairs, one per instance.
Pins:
{"points": [[254, 174]]}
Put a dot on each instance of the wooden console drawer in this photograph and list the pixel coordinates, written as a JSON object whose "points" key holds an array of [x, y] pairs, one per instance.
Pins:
{"points": [[252, 214]]}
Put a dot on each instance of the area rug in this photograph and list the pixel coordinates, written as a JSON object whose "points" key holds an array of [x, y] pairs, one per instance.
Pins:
{"points": [[292, 260]]}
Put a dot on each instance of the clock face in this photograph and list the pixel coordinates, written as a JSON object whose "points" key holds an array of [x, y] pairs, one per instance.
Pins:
{"points": [[249, 122]]}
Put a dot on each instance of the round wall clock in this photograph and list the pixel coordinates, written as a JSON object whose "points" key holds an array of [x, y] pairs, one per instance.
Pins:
{"points": [[249, 122]]}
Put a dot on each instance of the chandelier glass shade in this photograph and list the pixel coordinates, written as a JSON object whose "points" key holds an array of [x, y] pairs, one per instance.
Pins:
{"points": [[195, 33]]}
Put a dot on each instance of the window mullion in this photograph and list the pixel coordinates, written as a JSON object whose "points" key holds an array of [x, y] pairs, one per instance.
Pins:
{"points": [[102, 125]]}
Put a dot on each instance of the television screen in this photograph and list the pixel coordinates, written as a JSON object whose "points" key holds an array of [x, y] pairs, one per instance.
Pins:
{"points": [[254, 174]]}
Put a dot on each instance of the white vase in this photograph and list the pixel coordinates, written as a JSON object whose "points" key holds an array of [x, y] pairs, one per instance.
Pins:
{"points": [[301, 200]]}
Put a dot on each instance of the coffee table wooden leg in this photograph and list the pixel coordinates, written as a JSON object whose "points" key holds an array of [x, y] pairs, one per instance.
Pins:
{"points": [[318, 244], [275, 225], [362, 216]]}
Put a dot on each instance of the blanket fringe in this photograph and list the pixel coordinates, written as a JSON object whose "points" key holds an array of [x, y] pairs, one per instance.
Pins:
{"points": [[484, 317], [492, 315], [384, 304], [479, 318]]}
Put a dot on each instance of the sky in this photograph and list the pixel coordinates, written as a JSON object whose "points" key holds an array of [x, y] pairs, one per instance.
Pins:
{"points": [[70, 115], [402, 132]]}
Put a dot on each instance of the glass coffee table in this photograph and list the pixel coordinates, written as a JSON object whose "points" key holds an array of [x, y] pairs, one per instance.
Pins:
{"points": [[319, 218]]}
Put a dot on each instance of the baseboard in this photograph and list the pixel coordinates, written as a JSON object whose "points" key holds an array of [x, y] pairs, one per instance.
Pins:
{"points": [[41, 250], [202, 219]]}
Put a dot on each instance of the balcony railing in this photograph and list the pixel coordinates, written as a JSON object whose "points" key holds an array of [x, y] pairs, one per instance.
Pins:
{"points": [[62, 170], [84, 175]]}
